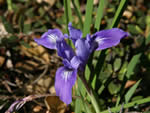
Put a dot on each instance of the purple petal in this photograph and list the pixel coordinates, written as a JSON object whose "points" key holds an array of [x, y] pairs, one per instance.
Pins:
{"points": [[74, 33], [67, 64], [64, 81], [108, 38], [64, 50], [50, 38], [82, 49], [75, 62]]}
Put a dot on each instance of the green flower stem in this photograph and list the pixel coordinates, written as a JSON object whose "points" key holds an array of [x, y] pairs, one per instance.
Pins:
{"points": [[90, 93]]}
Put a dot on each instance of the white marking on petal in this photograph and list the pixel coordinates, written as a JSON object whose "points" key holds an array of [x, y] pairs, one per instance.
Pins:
{"points": [[67, 54], [52, 38], [100, 40], [66, 75]]}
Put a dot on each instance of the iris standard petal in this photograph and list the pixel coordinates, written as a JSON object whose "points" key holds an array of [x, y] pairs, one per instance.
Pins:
{"points": [[64, 50], [64, 81], [108, 38], [50, 38], [82, 49], [74, 33]]}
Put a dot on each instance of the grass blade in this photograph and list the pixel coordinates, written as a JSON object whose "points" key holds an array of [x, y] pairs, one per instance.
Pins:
{"points": [[99, 14], [128, 105], [68, 15], [131, 91], [132, 65], [77, 11], [80, 91], [85, 105], [88, 17], [118, 14]]}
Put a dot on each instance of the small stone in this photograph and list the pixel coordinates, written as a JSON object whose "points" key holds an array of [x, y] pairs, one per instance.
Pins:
{"points": [[127, 14], [37, 108], [52, 89]]}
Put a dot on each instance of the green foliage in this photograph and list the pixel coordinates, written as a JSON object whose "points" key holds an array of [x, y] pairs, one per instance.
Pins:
{"points": [[25, 44], [132, 65], [131, 91], [114, 88], [7, 25], [68, 15], [99, 14], [128, 105], [107, 71], [76, 8], [119, 12], [88, 17]]}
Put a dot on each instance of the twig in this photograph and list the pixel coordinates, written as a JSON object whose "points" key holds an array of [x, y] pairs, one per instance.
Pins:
{"points": [[41, 75], [19, 103]]}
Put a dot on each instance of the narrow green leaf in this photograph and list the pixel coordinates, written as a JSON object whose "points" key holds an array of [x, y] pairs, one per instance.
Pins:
{"points": [[85, 105], [78, 105], [118, 100], [78, 102], [88, 17], [134, 61], [117, 64], [128, 105], [82, 88], [68, 15], [131, 91], [69, 10], [99, 14], [118, 14], [77, 11], [93, 96]]}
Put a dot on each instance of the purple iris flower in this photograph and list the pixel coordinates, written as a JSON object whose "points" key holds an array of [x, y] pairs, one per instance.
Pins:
{"points": [[76, 60]]}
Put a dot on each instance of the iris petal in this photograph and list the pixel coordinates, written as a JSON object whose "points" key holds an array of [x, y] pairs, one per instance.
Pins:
{"points": [[64, 81], [75, 62], [82, 49], [74, 33], [64, 50], [67, 64], [50, 38], [108, 38]]}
